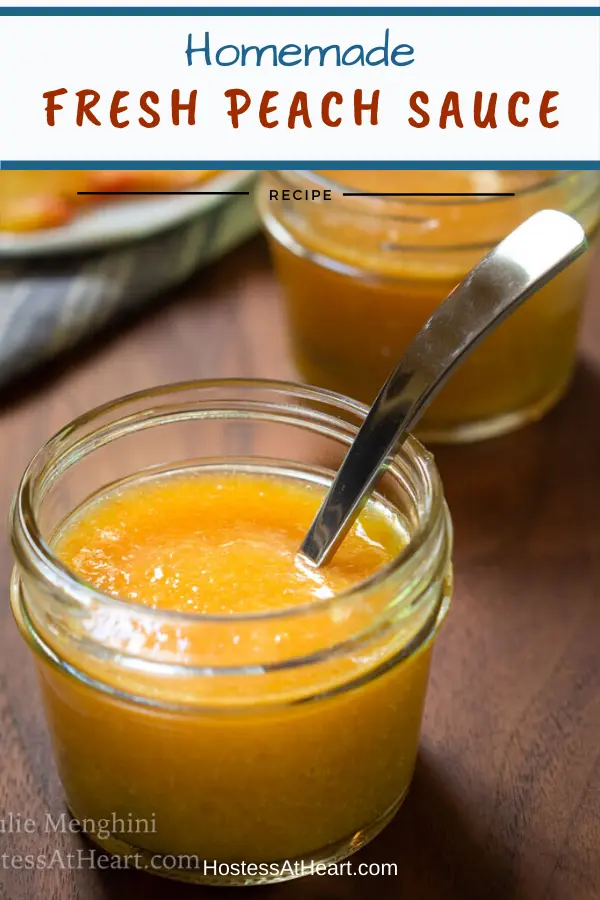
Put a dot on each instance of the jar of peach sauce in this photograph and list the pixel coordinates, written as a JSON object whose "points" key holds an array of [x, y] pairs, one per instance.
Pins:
{"points": [[360, 276], [241, 748]]}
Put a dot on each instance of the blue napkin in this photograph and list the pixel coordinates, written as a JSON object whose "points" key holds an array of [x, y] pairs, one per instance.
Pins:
{"points": [[47, 306]]}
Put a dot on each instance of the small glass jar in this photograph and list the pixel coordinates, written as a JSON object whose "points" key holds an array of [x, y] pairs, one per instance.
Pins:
{"points": [[230, 774], [361, 275]]}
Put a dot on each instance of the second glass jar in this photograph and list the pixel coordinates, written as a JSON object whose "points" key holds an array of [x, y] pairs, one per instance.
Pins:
{"points": [[362, 274]]}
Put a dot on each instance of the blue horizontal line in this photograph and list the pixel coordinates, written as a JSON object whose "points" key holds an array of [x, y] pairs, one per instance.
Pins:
{"points": [[300, 11], [245, 164]]}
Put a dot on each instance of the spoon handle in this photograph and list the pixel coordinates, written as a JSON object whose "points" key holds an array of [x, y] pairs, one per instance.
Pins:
{"points": [[524, 261]]}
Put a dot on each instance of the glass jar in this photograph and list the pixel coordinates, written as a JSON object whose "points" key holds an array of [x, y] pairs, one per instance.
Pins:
{"points": [[362, 274], [304, 749]]}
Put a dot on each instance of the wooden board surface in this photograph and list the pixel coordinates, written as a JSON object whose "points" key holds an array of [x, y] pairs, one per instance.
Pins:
{"points": [[506, 800]]}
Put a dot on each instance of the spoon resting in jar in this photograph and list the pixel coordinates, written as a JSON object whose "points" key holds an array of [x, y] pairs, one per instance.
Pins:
{"points": [[523, 262]]}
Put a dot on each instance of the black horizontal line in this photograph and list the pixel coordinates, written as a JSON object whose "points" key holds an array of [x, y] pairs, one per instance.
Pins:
{"points": [[421, 194], [162, 193]]}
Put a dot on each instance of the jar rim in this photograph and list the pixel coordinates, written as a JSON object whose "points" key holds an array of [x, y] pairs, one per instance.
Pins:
{"points": [[374, 208], [333, 184], [35, 554]]}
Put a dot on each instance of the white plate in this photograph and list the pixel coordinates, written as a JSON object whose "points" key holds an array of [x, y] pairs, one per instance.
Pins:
{"points": [[119, 221]]}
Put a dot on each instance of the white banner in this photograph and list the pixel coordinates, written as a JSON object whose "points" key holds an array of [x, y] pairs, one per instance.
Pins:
{"points": [[223, 90]]}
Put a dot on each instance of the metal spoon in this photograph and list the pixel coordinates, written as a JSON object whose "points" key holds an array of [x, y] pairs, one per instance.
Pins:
{"points": [[523, 262]]}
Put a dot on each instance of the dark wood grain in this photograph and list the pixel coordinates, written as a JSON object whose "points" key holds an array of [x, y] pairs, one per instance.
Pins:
{"points": [[506, 799]]}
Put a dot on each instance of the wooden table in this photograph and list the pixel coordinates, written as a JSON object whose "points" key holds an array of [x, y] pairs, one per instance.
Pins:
{"points": [[506, 799]]}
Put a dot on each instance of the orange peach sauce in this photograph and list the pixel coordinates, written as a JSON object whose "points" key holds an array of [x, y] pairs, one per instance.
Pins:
{"points": [[233, 767], [221, 544]]}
